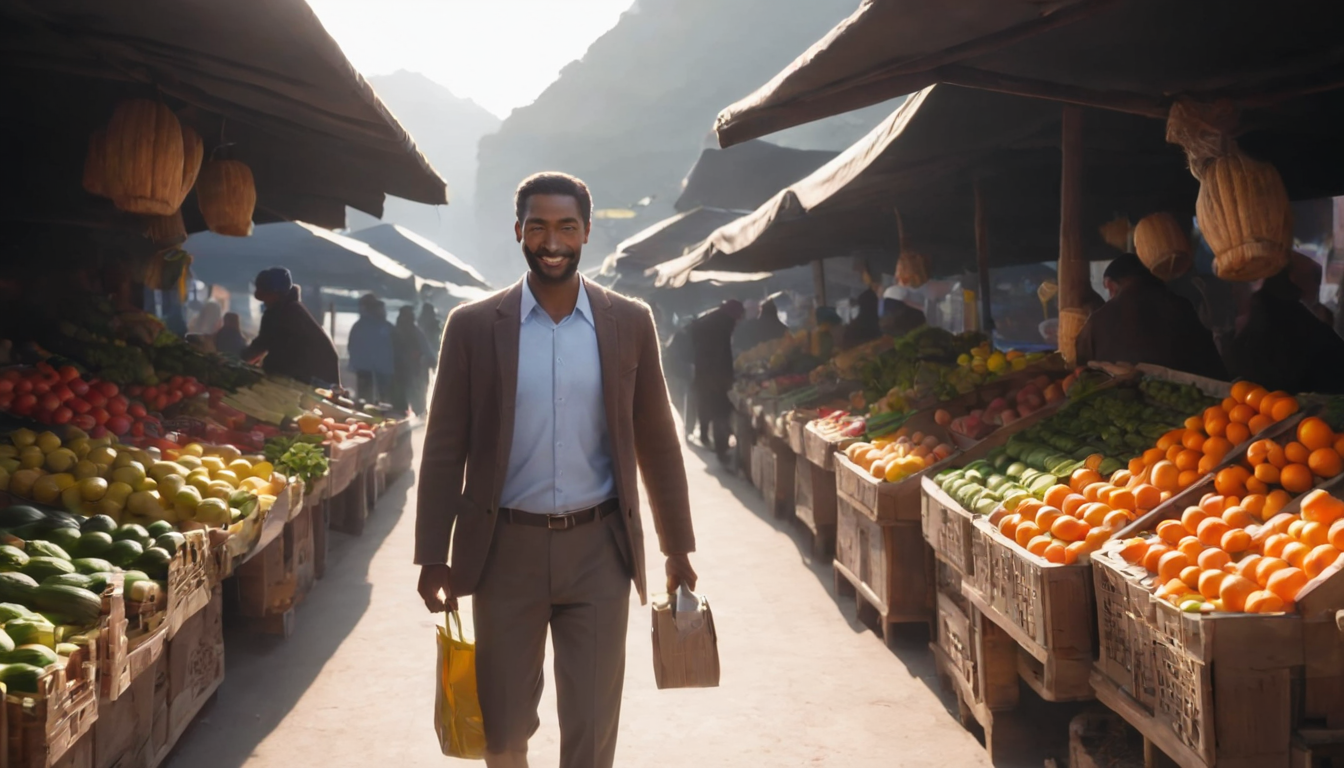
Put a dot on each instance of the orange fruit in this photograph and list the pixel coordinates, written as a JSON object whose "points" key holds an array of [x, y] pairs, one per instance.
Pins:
{"points": [[1123, 499], [1216, 426], [1026, 532], [1070, 529], [1267, 402], [1336, 534], [1234, 591], [1320, 507], [1096, 537], [1134, 551], [1081, 478], [1246, 566], [1207, 464], [1259, 423], [1153, 455], [1093, 513], [1146, 496], [1037, 545], [1296, 453], [1315, 433], [1171, 531], [1123, 477], [1264, 601], [1255, 397], [1217, 447], [1295, 552], [1275, 543], [1267, 567], [1193, 439], [1295, 529], [1190, 545], [1166, 476], [1267, 473], [1072, 503], [1286, 583], [1189, 478], [1238, 517], [1046, 517], [1054, 497], [1211, 531], [1339, 445], [1316, 561], [1231, 481], [1055, 552], [1324, 462], [1238, 433], [1213, 504], [1241, 390], [1116, 519], [1174, 451], [1190, 577], [1008, 525], [1211, 582], [1284, 407], [1296, 478], [1135, 466], [1170, 565], [1172, 591], [1241, 414], [1314, 534], [1236, 540], [1192, 517], [1256, 487], [1093, 491], [1214, 559], [1229, 403], [1188, 460], [1027, 509], [1254, 503], [1194, 423], [1274, 501], [1074, 551], [1154, 556]]}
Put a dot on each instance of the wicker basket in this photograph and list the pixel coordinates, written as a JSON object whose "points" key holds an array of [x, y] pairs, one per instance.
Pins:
{"points": [[227, 196], [1071, 322], [1163, 246], [143, 158], [1245, 217]]}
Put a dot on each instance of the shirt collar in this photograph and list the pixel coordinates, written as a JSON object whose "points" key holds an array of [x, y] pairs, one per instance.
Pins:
{"points": [[583, 308]]}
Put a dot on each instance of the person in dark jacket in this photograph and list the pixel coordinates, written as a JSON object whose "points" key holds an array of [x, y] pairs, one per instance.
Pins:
{"points": [[767, 327], [229, 340], [370, 348], [899, 318], [1146, 323], [1284, 345], [712, 336], [291, 343], [412, 361], [430, 325], [865, 326]]}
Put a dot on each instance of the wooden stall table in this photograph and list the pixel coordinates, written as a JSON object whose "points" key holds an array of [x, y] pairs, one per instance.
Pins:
{"points": [[814, 493], [350, 462]]}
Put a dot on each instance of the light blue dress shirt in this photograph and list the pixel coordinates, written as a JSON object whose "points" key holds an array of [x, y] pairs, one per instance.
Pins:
{"points": [[560, 460]]}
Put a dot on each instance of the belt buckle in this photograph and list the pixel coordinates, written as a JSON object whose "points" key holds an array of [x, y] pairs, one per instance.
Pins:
{"points": [[559, 522]]}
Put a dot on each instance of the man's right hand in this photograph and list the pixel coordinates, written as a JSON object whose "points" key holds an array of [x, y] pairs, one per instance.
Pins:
{"points": [[434, 588]]}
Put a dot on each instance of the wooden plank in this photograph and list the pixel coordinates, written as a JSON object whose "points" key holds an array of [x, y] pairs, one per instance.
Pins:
{"points": [[1145, 723]]}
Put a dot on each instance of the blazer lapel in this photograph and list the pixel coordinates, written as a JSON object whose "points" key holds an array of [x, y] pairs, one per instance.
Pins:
{"points": [[507, 329], [609, 350]]}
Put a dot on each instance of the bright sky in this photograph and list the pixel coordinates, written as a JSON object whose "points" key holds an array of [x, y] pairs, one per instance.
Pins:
{"points": [[500, 53]]}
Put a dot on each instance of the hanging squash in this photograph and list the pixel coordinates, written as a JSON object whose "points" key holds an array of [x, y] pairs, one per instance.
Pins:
{"points": [[1117, 234], [166, 231], [912, 267], [1163, 246], [143, 168], [1242, 206], [1245, 218], [227, 196], [95, 164], [193, 151]]}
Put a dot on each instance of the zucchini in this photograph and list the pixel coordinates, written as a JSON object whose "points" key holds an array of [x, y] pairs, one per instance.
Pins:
{"points": [[92, 544], [40, 548], [10, 611], [20, 514], [37, 655], [81, 605], [16, 588], [99, 524], [21, 678], [93, 565], [66, 649], [31, 631], [6, 642], [70, 579], [41, 568]]}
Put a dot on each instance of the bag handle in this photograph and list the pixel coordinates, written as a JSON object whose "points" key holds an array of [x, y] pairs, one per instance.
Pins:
{"points": [[450, 618]]}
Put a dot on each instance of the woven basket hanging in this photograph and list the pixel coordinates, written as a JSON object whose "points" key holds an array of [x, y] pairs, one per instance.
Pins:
{"points": [[166, 231], [912, 267], [227, 195], [143, 158], [1243, 206], [1163, 246], [1118, 234], [193, 152], [1071, 322]]}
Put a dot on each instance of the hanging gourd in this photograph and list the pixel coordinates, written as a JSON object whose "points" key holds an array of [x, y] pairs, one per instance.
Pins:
{"points": [[143, 163], [1117, 234], [166, 231], [193, 151], [1242, 207], [912, 267], [227, 196], [1163, 246]]}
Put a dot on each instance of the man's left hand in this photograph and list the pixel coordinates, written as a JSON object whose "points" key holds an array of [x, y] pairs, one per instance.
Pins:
{"points": [[679, 571]]}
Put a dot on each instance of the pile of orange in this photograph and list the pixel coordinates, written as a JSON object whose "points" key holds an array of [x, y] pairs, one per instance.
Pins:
{"points": [[1284, 470], [1074, 520], [1220, 556], [1184, 455]]}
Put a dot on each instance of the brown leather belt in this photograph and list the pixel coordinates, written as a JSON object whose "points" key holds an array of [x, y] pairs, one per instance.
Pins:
{"points": [[561, 522]]}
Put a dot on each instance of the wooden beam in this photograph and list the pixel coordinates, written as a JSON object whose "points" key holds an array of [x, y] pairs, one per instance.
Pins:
{"points": [[982, 259], [1117, 101], [819, 279], [1073, 276]]}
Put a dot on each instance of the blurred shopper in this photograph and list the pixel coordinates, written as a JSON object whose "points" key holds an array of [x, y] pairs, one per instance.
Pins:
{"points": [[766, 327], [679, 369], [370, 349], [290, 342], [866, 325], [412, 361], [1284, 345], [1146, 323], [229, 339], [712, 336], [899, 318], [430, 325]]}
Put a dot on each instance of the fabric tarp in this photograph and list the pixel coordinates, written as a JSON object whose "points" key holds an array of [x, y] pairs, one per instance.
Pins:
{"points": [[744, 176], [666, 240], [421, 255]]}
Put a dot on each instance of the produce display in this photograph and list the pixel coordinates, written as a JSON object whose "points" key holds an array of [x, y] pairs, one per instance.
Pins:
{"points": [[1241, 551], [905, 454], [797, 352], [1022, 401], [53, 396]]}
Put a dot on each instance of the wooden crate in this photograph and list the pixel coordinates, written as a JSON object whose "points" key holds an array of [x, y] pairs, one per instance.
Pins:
{"points": [[796, 428], [887, 566], [1219, 689], [821, 451], [195, 668], [402, 456], [814, 505], [270, 586], [349, 509], [42, 727], [745, 433], [773, 473], [883, 501], [123, 736], [947, 527], [190, 579], [1045, 607], [81, 755]]}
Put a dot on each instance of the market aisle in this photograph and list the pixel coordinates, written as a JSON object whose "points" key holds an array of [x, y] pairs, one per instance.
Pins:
{"points": [[803, 684]]}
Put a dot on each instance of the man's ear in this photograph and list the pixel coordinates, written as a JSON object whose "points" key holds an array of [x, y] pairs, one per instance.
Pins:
{"points": [[518, 230], [587, 230]]}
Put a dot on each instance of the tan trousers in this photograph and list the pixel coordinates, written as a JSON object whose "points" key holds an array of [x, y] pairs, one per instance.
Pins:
{"points": [[577, 584]]}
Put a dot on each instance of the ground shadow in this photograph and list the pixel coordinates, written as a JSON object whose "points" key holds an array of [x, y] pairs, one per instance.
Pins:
{"points": [[266, 676]]}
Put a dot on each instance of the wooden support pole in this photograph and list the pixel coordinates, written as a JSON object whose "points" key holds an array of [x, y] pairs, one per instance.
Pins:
{"points": [[982, 259], [819, 279], [1074, 278]]}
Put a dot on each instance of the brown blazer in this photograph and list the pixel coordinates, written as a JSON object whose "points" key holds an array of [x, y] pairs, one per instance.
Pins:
{"points": [[469, 433]]}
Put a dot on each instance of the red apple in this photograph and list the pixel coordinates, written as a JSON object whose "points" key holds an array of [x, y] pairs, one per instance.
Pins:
{"points": [[136, 410], [160, 403], [117, 405], [150, 393], [83, 421], [79, 405], [69, 373], [13, 374], [138, 429], [175, 397], [62, 415], [49, 402], [79, 386], [175, 382], [108, 389], [118, 425], [23, 386], [63, 392], [6, 386], [24, 404], [95, 398], [6, 400], [41, 387], [100, 416]]}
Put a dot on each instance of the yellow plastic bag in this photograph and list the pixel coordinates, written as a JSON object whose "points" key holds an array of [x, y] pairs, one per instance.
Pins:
{"points": [[457, 711]]}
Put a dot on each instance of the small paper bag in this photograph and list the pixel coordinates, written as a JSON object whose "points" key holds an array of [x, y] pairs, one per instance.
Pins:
{"points": [[685, 645]]}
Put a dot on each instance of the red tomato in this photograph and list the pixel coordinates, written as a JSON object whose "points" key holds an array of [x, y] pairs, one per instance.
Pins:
{"points": [[137, 410], [79, 405], [118, 425], [23, 386], [84, 421], [49, 402], [24, 403], [138, 429], [69, 373], [95, 398], [41, 387], [63, 392], [108, 389], [79, 387], [100, 416], [62, 415], [117, 405], [6, 386]]}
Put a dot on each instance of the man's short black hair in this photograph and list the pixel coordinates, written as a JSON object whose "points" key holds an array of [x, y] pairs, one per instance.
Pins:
{"points": [[554, 183], [1128, 267]]}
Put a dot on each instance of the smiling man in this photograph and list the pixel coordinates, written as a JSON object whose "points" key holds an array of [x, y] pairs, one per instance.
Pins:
{"points": [[549, 398]]}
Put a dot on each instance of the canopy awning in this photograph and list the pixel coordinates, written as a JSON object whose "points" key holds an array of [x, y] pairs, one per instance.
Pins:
{"points": [[666, 240], [744, 176], [261, 77], [421, 255], [314, 255], [1128, 55]]}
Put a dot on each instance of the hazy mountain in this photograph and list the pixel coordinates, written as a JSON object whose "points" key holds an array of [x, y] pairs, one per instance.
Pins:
{"points": [[447, 129], [631, 117]]}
